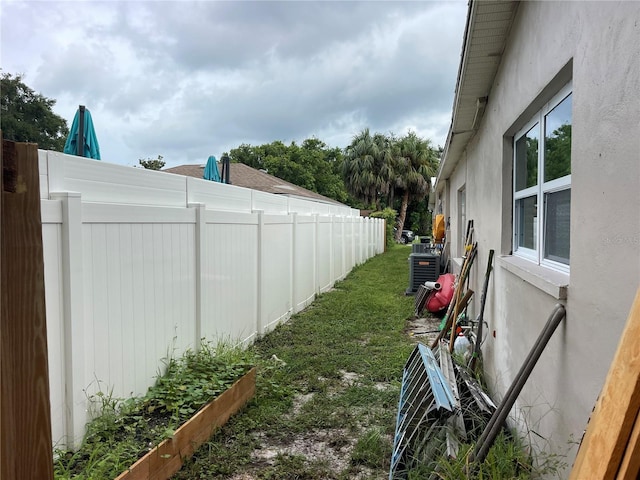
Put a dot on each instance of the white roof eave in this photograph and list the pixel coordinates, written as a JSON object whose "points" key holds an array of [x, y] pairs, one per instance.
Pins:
{"points": [[488, 26]]}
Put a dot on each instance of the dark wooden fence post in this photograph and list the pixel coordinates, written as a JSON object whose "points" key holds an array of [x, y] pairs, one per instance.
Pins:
{"points": [[25, 417]]}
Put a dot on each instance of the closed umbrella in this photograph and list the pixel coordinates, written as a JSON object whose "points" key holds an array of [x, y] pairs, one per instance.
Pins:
{"points": [[82, 140], [211, 170]]}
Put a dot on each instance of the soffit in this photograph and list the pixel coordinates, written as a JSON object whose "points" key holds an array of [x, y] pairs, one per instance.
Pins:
{"points": [[488, 26]]}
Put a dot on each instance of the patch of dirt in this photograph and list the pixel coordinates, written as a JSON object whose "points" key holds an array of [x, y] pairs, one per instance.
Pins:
{"points": [[350, 378], [381, 386], [330, 446], [424, 329], [299, 401]]}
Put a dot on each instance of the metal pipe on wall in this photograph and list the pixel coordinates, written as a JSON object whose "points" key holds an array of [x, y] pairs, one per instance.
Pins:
{"points": [[499, 416]]}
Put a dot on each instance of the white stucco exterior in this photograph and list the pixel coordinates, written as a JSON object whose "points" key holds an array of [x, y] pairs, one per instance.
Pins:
{"points": [[596, 46]]}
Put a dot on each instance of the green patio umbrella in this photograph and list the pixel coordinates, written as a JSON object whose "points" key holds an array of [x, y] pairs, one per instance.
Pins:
{"points": [[211, 170], [82, 140]]}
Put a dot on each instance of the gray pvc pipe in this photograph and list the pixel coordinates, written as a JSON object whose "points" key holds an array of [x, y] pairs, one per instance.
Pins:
{"points": [[499, 416]]}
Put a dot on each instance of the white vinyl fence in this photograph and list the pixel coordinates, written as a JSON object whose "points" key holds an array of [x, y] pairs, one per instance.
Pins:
{"points": [[141, 265]]}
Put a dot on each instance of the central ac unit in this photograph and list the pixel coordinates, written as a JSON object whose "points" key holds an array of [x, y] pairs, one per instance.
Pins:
{"points": [[421, 248], [423, 267]]}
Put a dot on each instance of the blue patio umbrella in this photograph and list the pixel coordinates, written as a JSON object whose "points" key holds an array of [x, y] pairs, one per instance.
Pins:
{"points": [[82, 128], [211, 170]]}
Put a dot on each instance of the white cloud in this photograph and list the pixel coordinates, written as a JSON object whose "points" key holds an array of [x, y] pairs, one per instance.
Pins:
{"points": [[186, 80]]}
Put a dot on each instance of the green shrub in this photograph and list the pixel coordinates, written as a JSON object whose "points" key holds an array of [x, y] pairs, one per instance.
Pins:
{"points": [[389, 214]]}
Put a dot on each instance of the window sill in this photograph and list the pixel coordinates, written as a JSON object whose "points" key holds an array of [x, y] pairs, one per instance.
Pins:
{"points": [[549, 281]]}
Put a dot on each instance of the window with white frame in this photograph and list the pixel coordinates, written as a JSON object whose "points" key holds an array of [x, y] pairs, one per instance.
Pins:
{"points": [[542, 185]]}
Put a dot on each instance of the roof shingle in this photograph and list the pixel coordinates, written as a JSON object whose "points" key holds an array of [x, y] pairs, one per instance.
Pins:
{"points": [[242, 175]]}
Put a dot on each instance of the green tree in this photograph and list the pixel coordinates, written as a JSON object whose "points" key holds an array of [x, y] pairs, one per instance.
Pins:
{"points": [[312, 165], [329, 180], [245, 154], [557, 154], [367, 168], [27, 116], [532, 161], [415, 163], [325, 164], [152, 163], [385, 164], [389, 215], [288, 163]]}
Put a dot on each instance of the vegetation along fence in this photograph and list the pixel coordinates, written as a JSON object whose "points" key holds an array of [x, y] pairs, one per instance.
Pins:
{"points": [[140, 265]]}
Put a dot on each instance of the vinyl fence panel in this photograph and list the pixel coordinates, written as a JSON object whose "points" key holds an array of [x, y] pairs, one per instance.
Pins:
{"points": [[276, 270], [142, 265], [230, 277], [304, 263], [324, 256]]}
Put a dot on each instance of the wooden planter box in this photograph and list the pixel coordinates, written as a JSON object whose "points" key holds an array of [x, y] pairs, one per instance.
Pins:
{"points": [[167, 458]]}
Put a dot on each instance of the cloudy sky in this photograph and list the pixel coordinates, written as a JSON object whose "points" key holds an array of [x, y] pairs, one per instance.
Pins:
{"points": [[186, 80]]}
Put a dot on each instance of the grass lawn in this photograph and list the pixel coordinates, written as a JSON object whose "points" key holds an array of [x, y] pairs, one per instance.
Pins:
{"points": [[328, 386]]}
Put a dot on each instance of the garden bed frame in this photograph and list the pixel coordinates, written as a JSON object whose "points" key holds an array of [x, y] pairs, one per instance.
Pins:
{"points": [[167, 458]]}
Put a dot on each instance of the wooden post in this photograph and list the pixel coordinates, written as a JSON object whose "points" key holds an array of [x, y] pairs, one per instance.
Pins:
{"points": [[630, 465], [1, 310], [611, 439], [25, 417]]}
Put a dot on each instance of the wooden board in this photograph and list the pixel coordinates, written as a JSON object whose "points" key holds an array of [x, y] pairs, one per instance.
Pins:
{"points": [[25, 417], [630, 466], [612, 422], [167, 458]]}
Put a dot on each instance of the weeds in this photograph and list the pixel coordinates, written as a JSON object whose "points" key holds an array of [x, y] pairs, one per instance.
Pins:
{"points": [[510, 456], [326, 399], [373, 450], [506, 460], [336, 384], [124, 430]]}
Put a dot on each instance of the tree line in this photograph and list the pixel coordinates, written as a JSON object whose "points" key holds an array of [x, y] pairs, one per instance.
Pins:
{"points": [[375, 171]]}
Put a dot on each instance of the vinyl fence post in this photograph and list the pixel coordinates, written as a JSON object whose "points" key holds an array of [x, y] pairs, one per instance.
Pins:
{"points": [[370, 236], [360, 239], [344, 247], [73, 315], [316, 281], [201, 242], [294, 250], [260, 272], [332, 277], [352, 245], [365, 239]]}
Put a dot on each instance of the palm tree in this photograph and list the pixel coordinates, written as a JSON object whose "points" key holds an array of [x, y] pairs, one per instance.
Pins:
{"points": [[383, 165], [415, 163], [366, 167]]}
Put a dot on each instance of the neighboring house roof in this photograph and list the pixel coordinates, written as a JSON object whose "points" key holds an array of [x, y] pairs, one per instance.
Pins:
{"points": [[242, 175], [488, 26]]}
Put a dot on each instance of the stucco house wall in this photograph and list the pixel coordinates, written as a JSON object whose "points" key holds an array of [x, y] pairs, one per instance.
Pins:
{"points": [[594, 45]]}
